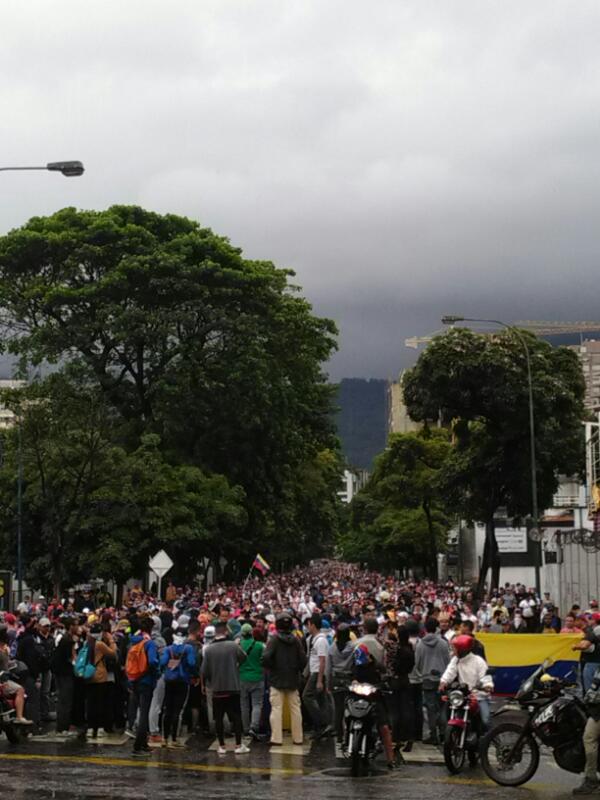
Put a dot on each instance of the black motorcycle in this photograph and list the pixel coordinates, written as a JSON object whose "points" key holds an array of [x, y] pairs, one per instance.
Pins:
{"points": [[510, 752], [362, 741]]}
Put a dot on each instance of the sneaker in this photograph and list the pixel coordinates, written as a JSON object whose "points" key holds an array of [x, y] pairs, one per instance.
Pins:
{"points": [[252, 734], [241, 749], [588, 786], [129, 732], [141, 753], [222, 750], [156, 738], [176, 746]]}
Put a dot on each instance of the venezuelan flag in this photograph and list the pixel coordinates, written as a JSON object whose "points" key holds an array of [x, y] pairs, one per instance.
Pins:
{"points": [[260, 564], [512, 657]]}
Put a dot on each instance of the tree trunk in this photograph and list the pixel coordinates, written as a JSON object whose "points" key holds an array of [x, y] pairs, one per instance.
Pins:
{"points": [[490, 560], [433, 566]]}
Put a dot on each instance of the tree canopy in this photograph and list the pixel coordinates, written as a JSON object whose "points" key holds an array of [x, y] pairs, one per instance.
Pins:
{"points": [[478, 384], [181, 338], [399, 519]]}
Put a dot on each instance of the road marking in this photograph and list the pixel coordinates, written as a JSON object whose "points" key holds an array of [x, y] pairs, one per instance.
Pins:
{"points": [[131, 762]]}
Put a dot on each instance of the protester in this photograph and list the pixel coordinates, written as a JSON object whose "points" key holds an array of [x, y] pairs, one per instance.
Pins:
{"points": [[284, 658], [220, 670], [252, 682]]}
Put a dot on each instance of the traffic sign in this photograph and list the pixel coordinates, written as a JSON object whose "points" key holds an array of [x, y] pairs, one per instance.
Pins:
{"points": [[160, 564]]}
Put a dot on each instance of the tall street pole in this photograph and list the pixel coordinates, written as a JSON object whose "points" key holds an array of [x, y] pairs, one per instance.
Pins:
{"points": [[19, 512], [534, 532]]}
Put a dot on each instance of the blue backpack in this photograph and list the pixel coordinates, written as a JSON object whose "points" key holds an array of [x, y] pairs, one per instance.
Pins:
{"points": [[175, 670], [83, 666]]}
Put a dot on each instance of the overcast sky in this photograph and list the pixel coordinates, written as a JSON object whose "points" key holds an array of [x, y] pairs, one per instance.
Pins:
{"points": [[407, 158]]}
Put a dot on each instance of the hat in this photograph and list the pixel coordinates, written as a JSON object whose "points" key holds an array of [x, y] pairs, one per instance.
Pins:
{"points": [[246, 629], [209, 632], [45, 622], [10, 619]]}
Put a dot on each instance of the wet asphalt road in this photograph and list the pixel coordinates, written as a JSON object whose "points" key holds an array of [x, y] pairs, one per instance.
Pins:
{"points": [[72, 771]]}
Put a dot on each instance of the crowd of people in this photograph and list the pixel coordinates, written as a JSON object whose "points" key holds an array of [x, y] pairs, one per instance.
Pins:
{"points": [[151, 666]]}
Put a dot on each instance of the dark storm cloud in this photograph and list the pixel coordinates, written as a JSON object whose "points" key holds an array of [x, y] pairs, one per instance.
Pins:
{"points": [[406, 159]]}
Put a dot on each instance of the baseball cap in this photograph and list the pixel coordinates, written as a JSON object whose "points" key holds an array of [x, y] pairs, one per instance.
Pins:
{"points": [[45, 622]]}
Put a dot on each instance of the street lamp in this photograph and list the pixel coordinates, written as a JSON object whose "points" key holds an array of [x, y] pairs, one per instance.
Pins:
{"points": [[70, 169], [534, 533]]}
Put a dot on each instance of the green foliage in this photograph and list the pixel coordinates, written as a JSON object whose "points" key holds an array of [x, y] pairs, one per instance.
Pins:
{"points": [[183, 339], [398, 519], [478, 384]]}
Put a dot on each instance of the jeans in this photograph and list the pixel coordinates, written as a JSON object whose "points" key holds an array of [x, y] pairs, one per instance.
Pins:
{"points": [[485, 712], [588, 670], [64, 702], [143, 696], [316, 702], [433, 707], [251, 697]]}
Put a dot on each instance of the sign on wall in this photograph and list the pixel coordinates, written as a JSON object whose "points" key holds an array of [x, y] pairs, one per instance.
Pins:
{"points": [[511, 540]]}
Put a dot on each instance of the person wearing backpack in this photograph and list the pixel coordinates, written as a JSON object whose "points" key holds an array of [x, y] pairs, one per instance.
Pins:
{"points": [[101, 647], [179, 665], [252, 682], [141, 669]]}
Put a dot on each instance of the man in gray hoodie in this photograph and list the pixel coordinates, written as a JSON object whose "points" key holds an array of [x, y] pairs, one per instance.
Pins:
{"points": [[432, 656]]}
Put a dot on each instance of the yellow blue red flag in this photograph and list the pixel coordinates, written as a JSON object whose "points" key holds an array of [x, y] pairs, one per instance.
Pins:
{"points": [[512, 657], [261, 564]]}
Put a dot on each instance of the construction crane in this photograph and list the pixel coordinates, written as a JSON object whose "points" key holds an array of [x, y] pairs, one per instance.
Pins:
{"points": [[538, 327]]}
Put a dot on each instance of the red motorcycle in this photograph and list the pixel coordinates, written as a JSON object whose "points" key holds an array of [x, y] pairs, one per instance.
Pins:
{"points": [[463, 728]]}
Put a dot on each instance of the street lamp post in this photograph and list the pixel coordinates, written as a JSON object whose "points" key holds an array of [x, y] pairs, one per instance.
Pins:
{"points": [[534, 532], [70, 169]]}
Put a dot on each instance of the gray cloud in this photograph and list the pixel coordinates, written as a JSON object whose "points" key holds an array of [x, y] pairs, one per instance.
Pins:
{"points": [[406, 159]]}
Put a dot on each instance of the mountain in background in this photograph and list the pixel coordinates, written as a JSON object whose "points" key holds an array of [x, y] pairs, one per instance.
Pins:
{"points": [[362, 419]]}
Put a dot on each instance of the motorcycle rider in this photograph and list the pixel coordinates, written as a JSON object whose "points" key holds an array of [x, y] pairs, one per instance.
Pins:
{"points": [[471, 670]]}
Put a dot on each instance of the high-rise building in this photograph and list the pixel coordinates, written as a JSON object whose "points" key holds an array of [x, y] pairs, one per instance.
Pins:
{"points": [[589, 356], [398, 420]]}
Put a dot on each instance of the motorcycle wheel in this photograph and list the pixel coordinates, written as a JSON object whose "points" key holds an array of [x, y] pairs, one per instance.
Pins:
{"points": [[494, 751], [454, 754], [358, 763], [12, 734]]}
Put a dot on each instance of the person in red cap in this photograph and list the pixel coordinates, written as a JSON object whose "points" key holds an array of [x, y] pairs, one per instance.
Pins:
{"points": [[468, 668]]}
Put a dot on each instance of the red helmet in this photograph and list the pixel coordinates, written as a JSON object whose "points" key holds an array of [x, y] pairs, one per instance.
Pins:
{"points": [[463, 645]]}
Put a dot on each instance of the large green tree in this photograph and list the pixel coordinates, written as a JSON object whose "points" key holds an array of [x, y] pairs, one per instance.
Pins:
{"points": [[92, 509], [478, 384], [399, 519], [218, 355]]}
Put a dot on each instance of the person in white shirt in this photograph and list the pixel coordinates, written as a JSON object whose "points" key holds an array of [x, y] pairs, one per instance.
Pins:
{"points": [[314, 696], [472, 670]]}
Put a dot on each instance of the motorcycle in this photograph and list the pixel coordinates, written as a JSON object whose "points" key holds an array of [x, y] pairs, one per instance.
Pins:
{"points": [[14, 731], [463, 729], [362, 741], [510, 752]]}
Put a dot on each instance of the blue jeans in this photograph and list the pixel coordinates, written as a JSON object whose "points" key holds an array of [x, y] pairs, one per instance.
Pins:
{"points": [[485, 712], [251, 697], [588, 670]]}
